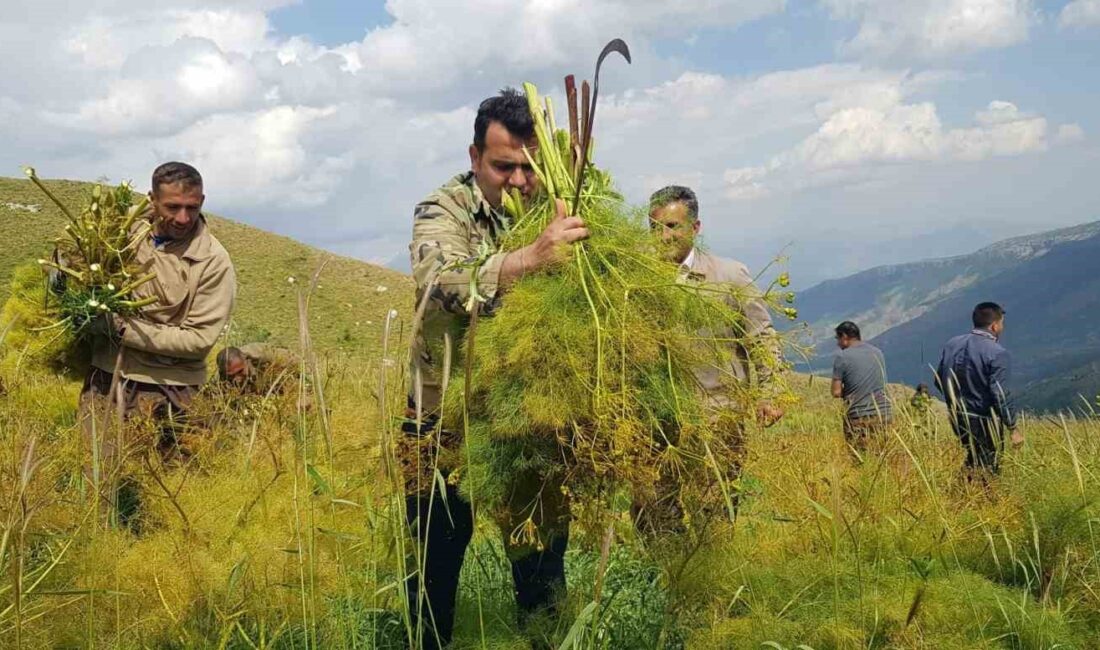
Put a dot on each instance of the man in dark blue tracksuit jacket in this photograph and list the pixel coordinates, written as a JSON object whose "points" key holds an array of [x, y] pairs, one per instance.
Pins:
{"points": [[973, 376]]}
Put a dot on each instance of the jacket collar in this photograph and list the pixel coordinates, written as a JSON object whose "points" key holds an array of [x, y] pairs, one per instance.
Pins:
{"points": [[695, 267], [984, 333], [482, 208], [689, 262], [196, 248]]}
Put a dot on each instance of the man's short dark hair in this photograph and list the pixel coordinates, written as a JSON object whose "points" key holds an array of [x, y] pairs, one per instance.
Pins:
{"points": [[987, 313], [849, 329], [676, 194], [510, 109], [171, 173], [224, 357]]}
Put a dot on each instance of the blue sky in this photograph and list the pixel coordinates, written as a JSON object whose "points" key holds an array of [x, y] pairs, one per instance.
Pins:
{"points": [[844, 133]]}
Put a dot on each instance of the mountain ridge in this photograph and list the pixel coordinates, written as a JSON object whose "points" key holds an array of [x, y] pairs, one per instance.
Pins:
{"points": [[910, 309]]}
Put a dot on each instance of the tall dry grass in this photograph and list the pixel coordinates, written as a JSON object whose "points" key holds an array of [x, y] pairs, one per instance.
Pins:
{"points": [[284, 529]]}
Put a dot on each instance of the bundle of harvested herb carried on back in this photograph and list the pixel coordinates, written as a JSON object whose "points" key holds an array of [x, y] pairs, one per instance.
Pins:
{"points": [[584, 383], [90, 274]]}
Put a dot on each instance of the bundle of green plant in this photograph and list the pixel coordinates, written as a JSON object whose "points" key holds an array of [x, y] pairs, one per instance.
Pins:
{"points": [[584, 380], [91, 273]]}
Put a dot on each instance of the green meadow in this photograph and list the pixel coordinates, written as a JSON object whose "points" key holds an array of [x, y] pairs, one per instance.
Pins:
{"points": [[284, 526]]}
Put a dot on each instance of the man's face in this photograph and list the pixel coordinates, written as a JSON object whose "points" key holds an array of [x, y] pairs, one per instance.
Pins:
{"points": [[502, 165], [238, 371], [676, 228], [844, 342], [176, 209]]}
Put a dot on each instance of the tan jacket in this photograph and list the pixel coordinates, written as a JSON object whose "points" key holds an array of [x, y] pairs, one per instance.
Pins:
{"points": [[195, 286], [754, 363]]}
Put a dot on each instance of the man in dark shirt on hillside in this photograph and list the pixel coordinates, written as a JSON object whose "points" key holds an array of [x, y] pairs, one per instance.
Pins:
{"points": [[973, 377], [859, 378]]}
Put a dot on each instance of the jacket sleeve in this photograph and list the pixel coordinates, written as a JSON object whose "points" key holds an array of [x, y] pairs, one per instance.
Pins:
{"points": [[941, 377], [207, 317], [999, 370], [758, 325], [446, 261]]}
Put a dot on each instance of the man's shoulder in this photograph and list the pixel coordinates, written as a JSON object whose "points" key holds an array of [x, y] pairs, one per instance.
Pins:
{"points": [[848, 354], [722, 269], [458, 197], [873, 350], [863, 352], [266, 352], [219, 252], [957, 341]]}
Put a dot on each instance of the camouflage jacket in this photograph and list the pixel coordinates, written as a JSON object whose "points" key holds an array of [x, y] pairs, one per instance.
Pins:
{"points": [[456, 265]]}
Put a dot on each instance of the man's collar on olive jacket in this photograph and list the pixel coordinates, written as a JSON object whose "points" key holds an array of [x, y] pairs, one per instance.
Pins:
{"points": [[481, 207]]}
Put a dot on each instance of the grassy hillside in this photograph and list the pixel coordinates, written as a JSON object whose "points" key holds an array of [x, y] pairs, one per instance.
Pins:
{"points": [[348, 308], [283, 526]]}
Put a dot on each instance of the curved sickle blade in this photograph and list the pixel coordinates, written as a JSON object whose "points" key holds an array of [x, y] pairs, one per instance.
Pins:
{"points": [[616, 45]]}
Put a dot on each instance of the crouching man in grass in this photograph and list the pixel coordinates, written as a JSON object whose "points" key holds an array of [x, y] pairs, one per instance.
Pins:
{"points": [[150, 366], [859, 378], [674, 218], [456, 231], [256, 368]]}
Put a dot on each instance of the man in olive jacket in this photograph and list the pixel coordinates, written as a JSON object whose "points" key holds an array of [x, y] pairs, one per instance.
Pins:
{"points": [[160, 354]]}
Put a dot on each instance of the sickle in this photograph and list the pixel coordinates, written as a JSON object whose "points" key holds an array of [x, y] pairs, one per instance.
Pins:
{"points": [[617, 45]]}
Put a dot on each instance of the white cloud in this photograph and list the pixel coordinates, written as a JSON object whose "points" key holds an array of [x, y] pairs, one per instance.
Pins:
{"points": [[106, 43], [417, 53], [850, 143], [1080, 13], [334, 144], [261, 160], [162, 89], [932, 28]]}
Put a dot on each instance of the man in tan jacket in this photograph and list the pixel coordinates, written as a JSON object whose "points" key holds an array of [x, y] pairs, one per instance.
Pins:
{"points": [[156, 361], [755, 355]]}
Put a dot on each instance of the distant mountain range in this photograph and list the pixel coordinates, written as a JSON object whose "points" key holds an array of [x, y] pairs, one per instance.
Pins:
{"points": [[1049, 283]]}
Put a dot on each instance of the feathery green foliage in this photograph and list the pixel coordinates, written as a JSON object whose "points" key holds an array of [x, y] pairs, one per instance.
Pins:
{"points": [[92, 273]]}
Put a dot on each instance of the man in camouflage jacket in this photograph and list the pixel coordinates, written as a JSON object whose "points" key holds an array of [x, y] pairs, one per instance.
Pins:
{"points": [[458, 269]]}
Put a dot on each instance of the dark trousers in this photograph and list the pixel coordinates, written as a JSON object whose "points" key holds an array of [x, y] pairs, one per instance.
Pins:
{"points": [[982, 437], [104, 440], [442, 531]]}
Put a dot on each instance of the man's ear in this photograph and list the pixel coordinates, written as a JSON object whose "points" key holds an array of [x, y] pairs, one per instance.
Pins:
{"points": [[696, 226], [475, 156]]}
